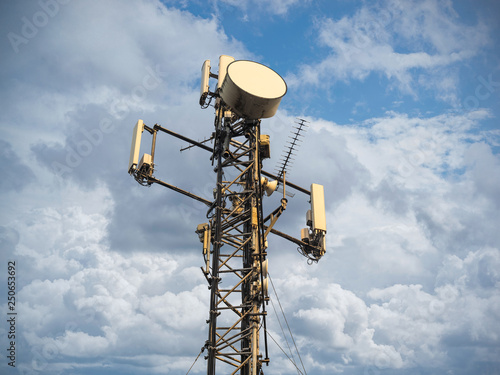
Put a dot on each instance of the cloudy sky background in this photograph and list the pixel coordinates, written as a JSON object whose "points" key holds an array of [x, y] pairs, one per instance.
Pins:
{"points": [[403, 103]]}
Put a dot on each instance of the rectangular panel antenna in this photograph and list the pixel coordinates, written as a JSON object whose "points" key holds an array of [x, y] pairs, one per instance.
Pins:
{"points": [[136, 145], [224, 61], [318, 207], [205, 76]]}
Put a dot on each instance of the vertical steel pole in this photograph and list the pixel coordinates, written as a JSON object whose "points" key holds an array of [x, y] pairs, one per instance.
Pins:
{"points": [[252, 257], [214, 282], [255, 318], [247, 264]]}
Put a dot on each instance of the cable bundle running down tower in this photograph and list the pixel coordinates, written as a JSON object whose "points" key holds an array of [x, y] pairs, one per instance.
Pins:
{"points": [[235, 237]]}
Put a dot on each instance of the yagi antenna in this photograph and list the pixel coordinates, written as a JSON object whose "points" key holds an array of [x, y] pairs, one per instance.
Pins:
{"points": [[288, 155]]}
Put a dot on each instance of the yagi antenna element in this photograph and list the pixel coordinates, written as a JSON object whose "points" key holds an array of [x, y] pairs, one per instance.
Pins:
{"points": [[288, 154]]}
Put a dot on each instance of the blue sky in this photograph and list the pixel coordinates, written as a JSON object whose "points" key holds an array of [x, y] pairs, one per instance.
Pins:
{"points": [[402, 99]]}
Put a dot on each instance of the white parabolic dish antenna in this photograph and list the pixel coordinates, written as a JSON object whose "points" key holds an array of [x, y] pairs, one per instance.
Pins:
{"points": [[252, 90]]}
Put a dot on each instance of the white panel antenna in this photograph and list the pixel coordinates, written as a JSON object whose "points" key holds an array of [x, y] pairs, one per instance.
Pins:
{"points": [[318, 208], [224, 61], [136, 145], [205, 76]]}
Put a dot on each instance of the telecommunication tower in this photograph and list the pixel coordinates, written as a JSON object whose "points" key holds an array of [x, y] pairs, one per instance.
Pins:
{"points": [[234, 239]]}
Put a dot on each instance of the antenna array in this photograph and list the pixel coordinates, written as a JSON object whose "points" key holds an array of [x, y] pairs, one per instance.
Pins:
{"points": [[235, 237]]}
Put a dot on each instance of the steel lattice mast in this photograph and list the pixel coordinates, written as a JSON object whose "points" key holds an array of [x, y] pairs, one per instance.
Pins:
{"points": [[235, 237], [236, 277]]}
